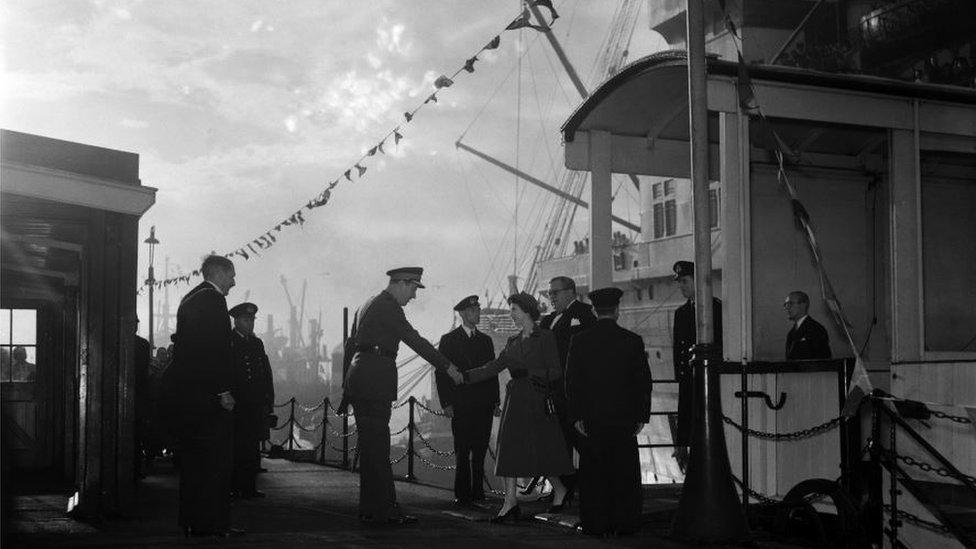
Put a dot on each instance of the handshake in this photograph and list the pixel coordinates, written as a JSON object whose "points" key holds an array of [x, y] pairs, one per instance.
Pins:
{"points": [[456, 376]]}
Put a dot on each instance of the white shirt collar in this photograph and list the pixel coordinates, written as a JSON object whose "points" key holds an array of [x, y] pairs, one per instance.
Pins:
{"points": [[800, 321], [215, 286], [469, 331]]}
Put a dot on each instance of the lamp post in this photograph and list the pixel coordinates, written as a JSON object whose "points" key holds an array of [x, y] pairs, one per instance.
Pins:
{"points": [[151, 282]]}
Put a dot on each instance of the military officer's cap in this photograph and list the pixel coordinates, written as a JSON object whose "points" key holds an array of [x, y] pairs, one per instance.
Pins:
{"points": [[411, 274], [470, 301], [244, 309], [606, 298], [683, 268]]}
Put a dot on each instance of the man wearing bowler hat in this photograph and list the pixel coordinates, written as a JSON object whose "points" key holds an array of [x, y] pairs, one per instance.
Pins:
{"points": [[371, 385], [471, 406], [684, 335], [608, 386], [253, 391]]}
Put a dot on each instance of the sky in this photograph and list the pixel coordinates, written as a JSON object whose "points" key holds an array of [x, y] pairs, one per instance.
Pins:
{"points": [[243, 111]]}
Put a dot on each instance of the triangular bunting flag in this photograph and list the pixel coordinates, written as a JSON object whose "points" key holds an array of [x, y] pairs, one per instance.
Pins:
{"points": [[397, 136], [443, 82], [379, 147], [347, 175], [243, 254], [747, 98], [469, 64], [371, 152], [408, 116], [271, 236], [493, 44], [301, 218], [432, 98], [259, 242], [523, 21], [361, 169], [278, 227], [253, 251]]}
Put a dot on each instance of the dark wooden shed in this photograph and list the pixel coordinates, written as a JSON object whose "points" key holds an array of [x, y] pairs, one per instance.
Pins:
{"points": [[70, 231]]}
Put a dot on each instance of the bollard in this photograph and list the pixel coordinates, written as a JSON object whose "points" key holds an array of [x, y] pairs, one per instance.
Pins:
{"points": [[410, 429], [291, 425], [345, 370]]}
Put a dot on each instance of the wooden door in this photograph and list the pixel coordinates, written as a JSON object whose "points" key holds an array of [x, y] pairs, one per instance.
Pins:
{"points": [[25, 385]]}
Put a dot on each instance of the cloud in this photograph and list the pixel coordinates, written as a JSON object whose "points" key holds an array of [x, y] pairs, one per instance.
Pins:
{"points": [[390, 38], [136, 124]]}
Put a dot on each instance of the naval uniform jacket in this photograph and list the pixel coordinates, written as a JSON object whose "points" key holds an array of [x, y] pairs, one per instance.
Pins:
{"points": [[608, 380], [253, 387], [684, 337], [381, 325], [203, 363], [809, 341], [467, 353]]}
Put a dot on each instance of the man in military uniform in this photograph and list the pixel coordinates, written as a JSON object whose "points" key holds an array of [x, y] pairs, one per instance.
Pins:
{"points": [[807, 338], [684, 334], [253, 392], [608, 384], [470, 406], [200, 403], [371, 385], [569, 317]]}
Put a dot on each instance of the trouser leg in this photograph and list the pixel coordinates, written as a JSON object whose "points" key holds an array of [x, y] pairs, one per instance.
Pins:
{"points": [[376, 490], [461, 429], [594, 489], [625, 480], [481, 428]]}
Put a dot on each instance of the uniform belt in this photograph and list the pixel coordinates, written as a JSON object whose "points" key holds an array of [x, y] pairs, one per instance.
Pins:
{"points": [[376, 350]]}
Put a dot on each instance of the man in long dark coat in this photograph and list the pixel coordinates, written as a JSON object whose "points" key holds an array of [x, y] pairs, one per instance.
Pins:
{"points": [[807, 338], [200, 403], [371, 385], [142, 355], [608, 384], [253, 392], [569, 317], [470, 406], [684, 338]]}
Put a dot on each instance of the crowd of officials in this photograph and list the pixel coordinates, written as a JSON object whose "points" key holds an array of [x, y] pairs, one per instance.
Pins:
{"points": [[580, 384]]}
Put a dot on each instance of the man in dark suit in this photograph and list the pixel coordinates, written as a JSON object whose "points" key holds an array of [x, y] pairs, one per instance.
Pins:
{"points": [[807, 338], [253, 392], [371, 385], [471, 407], [142, 356], [608, 383], [684, 337], [569, 317], [201, 404]]}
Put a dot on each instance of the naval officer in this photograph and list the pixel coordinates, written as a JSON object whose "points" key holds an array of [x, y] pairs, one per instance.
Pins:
{"points": [[608, 385], [253, 392], [684, 338], [471, 407], [371, 385]]}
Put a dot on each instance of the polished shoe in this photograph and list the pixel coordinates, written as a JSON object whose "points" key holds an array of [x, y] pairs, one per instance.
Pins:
{"points": [[253, 494], [512, 515], [566, 502]]}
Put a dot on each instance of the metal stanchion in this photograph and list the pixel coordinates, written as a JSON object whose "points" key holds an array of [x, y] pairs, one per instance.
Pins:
{"points": [[410, 430], [291, 425], [325, 428]]}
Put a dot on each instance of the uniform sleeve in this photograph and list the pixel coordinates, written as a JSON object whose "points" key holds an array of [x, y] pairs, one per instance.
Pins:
{"points": [[267, 378], [675, 346], [492, 369], [407, 334], [495, 393], [445, 386], [642, 382], [575, 383]]}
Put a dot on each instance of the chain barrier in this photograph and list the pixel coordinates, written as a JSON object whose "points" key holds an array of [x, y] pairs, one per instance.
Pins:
{"points": [[401, 431], [957, 419], [315, 426], [929, 468], [352, 449], [311, 408], [283, 404], [431, 448], [399, 405], [431, 411], [399, 459], [754, 494], [918, 521], [795, 435], [433, 465]]}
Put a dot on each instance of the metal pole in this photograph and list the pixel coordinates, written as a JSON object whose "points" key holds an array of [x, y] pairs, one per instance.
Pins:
{"points": [[559, 51], [893, 491], [743, 386], [291, 425], [151, 282], [709, 510], [325, 427], [345, 369], [410, 429]]}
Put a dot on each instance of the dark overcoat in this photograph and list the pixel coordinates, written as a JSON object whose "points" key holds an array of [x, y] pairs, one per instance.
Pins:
{"points": [[808, 342]]}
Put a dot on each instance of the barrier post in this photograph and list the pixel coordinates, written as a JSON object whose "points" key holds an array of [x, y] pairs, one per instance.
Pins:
{"points": [[410, 428], [325, 428], [291, 425], [345, 370]]}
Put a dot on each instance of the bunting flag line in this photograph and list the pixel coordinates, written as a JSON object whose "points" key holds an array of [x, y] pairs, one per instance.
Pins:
{"points": [[268, 239]]}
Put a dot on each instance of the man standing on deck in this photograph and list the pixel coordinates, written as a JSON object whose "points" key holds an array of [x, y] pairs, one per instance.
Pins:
{"points": [[471, 407], [371, 385], [807, 338]]}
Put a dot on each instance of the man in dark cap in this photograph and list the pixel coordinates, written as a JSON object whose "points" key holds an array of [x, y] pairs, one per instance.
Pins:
{"points": [[197, 392], [807, 338], [684, 334], [608, 385], [253, 391], [371, 385], [569, 317], [471, 406]]}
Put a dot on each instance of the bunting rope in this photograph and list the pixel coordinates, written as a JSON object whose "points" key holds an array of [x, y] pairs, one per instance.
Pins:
{"points": [[269, 238]]}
